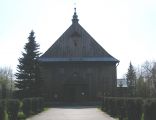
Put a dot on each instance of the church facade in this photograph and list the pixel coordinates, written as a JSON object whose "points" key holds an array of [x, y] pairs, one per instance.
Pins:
{"points": [[76, 68]]}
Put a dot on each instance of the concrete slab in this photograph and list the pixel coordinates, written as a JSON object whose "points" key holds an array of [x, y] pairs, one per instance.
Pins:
{"points": [[72, 113]]}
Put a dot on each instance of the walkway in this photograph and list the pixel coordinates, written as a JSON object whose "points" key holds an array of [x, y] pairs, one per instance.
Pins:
{"points": [[72, 113]]}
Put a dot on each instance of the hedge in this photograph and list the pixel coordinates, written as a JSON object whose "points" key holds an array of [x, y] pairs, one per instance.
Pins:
{"points": [[2, 109], [13, 106], [37, 104], [32, 106], [26, 108], [150, 109], [123, 107], [13, 109], [134, 108]]}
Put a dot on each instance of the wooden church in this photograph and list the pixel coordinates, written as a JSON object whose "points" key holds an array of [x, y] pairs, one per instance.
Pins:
{"points": [[76, 68]]}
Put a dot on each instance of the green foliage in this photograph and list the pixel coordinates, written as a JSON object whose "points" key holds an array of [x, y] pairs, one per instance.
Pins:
{"points": [[40, 104], [37, 104], [28, 70], [27, 106], [146, 85], [2, 109], [134, 108], [150, 109], [112, 104], [123, 107], [21, 116], [141, 89], [13, 108], [32, 105], [6, 82], [131, 80]]}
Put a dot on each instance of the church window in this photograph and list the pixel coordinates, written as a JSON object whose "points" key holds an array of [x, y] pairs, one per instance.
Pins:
{"points": [[75, 38]]}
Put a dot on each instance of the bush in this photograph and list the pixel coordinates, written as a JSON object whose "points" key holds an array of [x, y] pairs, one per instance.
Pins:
{"points": [[134, 108], [21, 116], [112, 107], [105, 105], [150, 110], [2, 109], [32, 106], [41, 104], [13, 108], [27, 109], [121, 108], [35, 105]]}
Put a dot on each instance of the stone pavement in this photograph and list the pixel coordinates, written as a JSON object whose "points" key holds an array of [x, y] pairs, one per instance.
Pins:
{"points": [[72, 113]]}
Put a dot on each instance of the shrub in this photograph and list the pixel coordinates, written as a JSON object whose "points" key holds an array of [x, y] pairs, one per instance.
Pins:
{"points": [[149, 110], [112, 107], [121, 108], [134, 108], [35, 105], [21, 116], [13, 108], [2, 109], [106, 104], [41, 104], [27, 109], [32, 105]]}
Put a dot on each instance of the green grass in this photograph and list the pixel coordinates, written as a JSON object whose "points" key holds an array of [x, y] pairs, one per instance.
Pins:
{"points": [[45, 109]]}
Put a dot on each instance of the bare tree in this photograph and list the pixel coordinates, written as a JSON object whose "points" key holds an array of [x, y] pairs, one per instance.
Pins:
{"points": [[149, 73], [6, 82]]}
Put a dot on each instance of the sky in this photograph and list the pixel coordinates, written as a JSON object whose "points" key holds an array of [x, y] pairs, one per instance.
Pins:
{"points": [[124, 28]]}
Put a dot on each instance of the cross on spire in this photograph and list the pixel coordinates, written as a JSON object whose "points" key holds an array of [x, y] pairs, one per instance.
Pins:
{"points": [[75, 17]]}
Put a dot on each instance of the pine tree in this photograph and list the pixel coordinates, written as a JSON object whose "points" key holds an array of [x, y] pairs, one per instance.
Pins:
{"points": [[131, 80], [28, 71]]}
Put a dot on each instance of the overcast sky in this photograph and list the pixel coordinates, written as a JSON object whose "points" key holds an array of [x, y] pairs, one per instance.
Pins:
{"points": [[124, 28]]}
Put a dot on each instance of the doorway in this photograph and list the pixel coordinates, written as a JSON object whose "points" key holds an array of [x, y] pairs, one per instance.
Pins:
{"points": [[75, 93]]}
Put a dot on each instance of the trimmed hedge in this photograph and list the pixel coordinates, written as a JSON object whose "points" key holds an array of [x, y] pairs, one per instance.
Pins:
{"points": [[26, 108], [123, 107], [2, 109], [134, 108], [32, 106], [37, 105], [150, 109], [13, 106]]}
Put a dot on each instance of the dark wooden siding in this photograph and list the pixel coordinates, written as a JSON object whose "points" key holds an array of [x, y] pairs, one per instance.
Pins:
{"points": [[99, 77]]}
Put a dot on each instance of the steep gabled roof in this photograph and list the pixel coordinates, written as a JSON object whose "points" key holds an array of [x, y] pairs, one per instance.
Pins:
{"points": [[75, 44]]}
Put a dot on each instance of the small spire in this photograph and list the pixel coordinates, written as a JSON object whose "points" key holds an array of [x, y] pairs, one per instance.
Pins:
{"points": [[75, 10], [75, 17]]}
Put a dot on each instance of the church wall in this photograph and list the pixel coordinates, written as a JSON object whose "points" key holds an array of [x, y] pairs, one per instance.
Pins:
{"points": [[99, 78]]}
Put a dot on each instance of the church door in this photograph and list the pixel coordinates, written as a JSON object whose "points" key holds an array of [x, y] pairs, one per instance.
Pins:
{"points": [[75, 93]]}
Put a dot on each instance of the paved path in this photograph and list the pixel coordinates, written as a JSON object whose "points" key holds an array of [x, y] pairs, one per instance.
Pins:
{"points": [[72, 113]]}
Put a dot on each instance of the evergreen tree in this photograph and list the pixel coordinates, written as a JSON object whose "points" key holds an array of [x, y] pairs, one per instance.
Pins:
{"points": [[28, 71], [131, 80]]}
